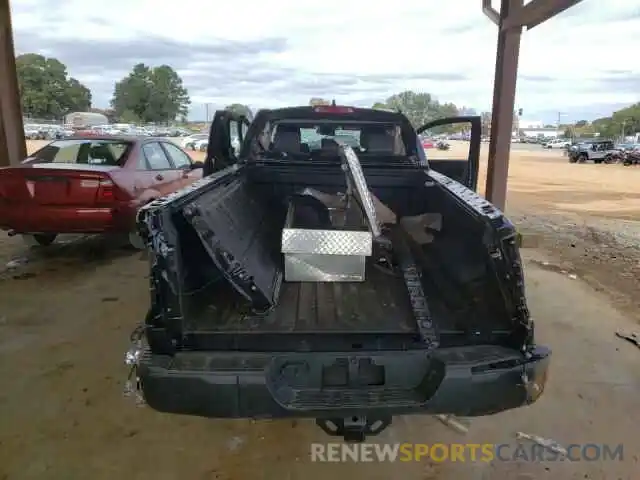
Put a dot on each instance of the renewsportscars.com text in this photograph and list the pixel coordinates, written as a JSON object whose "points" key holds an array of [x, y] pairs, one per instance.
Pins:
{"points": [[461, 452]]}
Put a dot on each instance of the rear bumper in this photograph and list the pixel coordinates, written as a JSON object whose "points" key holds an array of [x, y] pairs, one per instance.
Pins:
{"points": [[65, 219], [465, 381]]}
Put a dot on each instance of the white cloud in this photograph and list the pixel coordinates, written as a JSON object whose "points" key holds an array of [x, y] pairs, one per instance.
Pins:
{"points": [[584, 60]]}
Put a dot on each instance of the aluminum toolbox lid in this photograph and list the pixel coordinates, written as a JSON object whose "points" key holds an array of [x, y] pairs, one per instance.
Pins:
{"points": [[326, 242], [355, 177]]}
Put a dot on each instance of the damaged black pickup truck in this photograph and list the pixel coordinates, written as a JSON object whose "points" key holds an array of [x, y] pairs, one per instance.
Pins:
{"points": [[328, 270]]}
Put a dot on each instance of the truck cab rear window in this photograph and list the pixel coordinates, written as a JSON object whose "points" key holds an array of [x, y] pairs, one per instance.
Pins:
{"points": [[313, 139], [83, 152]]}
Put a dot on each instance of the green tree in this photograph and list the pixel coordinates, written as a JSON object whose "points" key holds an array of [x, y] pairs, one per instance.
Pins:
{"points": [[421, 108], [627, 120], [46, 90], [240, 109], [380, 106], [468, 111], [129, 117], [153, 95], [582, 123], [621, 123], [603, 125]]}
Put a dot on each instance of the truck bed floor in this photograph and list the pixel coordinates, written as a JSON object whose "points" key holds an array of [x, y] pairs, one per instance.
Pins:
{"points": [[379, 304]]}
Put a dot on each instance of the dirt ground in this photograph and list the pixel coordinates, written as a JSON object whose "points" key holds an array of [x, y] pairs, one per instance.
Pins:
{"points": [[66, 313]]}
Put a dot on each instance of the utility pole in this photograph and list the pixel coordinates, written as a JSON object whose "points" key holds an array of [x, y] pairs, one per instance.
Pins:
{"points": [[560, 115], [206, 110]]}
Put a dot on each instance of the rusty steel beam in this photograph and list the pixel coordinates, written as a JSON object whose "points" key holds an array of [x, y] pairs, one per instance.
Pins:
{"points": [[513, 16], [490, 12], [504, 93], [12, 145], [536, 12]]}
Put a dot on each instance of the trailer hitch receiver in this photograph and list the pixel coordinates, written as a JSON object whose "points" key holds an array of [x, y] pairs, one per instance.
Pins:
{"points": [[354, 428]]}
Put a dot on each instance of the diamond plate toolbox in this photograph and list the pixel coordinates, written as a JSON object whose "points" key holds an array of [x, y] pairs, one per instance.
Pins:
{"points": [[323, 255], [326, 242]]}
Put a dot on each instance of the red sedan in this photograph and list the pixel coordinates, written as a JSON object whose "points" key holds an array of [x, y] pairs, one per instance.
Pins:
{"points": [[90, 184], [426, 143]]}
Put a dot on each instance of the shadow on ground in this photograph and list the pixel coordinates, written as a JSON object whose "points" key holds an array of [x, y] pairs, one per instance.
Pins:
{"points": [[69, 256]]}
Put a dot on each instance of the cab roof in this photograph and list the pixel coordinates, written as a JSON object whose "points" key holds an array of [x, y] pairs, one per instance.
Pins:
{"points": [[341, 112]]}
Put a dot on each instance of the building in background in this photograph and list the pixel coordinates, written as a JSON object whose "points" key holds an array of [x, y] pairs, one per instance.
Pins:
{"points": [[535, 132], [85, 119], [531, 124]]}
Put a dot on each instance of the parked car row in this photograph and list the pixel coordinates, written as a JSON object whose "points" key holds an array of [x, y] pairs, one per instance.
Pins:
{"points": [[128, 129], [628, 147], [167, 132], [632, 157], [524, 139], [46, 132], [557, 143], [115, 130], [90, 184], [52, 132], [196, 141], [604, 151], [545, 142]]}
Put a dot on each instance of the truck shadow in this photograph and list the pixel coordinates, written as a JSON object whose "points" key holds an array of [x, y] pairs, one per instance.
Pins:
{"points": [[69, 256]]}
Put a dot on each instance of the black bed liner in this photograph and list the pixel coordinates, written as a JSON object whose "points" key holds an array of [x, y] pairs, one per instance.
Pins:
{"points": [[379, 304]]}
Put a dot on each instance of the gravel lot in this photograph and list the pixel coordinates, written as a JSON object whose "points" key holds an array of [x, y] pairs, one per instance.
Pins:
{"points": [[66, 313]]}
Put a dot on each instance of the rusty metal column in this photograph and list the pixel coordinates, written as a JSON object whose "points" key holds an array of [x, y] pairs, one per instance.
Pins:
{"points": [[504, 92], [12, 145]]}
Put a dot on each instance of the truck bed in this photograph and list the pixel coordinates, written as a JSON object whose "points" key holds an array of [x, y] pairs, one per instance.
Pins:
{"points": [[229, 264], [379, 304]]}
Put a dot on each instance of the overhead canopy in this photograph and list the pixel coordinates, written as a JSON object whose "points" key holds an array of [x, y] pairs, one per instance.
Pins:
{"points": [[512, 17]]}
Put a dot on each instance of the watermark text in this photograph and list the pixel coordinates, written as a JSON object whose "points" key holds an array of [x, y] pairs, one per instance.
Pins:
{"points": [[461, 452]]}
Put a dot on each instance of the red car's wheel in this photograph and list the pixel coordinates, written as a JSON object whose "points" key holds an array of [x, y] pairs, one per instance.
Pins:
{"points": [[42, 239]]}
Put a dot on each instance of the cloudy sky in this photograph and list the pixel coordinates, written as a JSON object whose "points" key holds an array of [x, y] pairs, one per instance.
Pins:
{"points": [[583, 63]]}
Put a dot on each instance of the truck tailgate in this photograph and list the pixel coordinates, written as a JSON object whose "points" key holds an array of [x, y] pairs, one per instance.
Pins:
{"points": [[465, 381]]}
